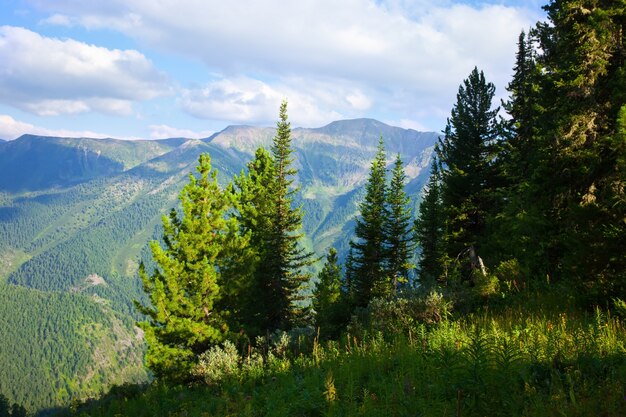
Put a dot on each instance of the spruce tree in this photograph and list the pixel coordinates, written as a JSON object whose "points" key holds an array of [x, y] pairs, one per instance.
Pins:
{"points": [[466, 155], [514, 224], [276, 295], [579, 177], [328, 300], [400, 241], [429, 229], [368, 271], [255, 210], [203, 251], [348, 279]]}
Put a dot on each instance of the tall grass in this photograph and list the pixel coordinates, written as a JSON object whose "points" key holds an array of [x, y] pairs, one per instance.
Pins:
{"points": [[505, 364]]}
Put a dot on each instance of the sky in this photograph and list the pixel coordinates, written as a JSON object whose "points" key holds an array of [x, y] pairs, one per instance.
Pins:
{"points": [[151, 69]]}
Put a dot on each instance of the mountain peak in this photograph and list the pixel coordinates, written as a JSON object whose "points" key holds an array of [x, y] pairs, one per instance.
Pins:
{"points": [[360, 122]]}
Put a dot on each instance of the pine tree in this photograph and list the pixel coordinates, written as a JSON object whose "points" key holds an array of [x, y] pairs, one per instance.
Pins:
{"points": [[348, 279], [400, 241], [255, 209], [285, 267], [203, 251], [429, 229], [328, 300], [368, 272], [280, 271], [515, 224], [583, 86], [466, 155]]}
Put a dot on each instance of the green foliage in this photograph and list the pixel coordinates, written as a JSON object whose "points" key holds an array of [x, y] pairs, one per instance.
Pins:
{"points": [[88, 346], [466, 154], [368, 277], [285, 266], [265, 199], [329, 301], [218, 363], [509, 364], [565, 218], [199, 265], [400, 242], [255, 205], [99, 222], [429, 229]]}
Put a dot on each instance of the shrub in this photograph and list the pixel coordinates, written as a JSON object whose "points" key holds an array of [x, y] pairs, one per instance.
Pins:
{"points": [[217, 363]]}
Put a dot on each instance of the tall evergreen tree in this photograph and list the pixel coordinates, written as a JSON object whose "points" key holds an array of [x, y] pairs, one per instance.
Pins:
{"points": [[429, 229], [328, 300], [400, 241], [286, 266], [368, 271], [348, 278], [265, 198], [515, 224], [583, 89], [203, 249], [466, 155], [255, 213]]}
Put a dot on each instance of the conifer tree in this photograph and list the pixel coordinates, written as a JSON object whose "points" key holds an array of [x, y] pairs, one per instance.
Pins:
{"points": [[348, 279], [328, 300], [466, 155], [516, 220], [203, 251], [429, 229], [578, 178], [285, 268], [265, 196], [368, 271], [255, 209], [400, 241]]}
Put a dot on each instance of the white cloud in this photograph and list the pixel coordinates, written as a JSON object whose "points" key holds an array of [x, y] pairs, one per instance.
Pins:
{"points": [[407, 124], [58, 20], [12, 129], [246, 100], [165, 131], [49, 77], [402, 56]]}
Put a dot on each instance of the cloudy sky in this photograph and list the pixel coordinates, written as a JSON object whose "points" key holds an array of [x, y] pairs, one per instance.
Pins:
{"points": [[163, 68]]}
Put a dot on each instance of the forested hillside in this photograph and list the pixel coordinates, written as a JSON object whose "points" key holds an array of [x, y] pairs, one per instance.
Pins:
{"points": [[76, 216], [57, 344]]}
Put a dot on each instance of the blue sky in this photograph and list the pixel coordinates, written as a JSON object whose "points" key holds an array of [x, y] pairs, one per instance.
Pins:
{"points": [[153, 69]]}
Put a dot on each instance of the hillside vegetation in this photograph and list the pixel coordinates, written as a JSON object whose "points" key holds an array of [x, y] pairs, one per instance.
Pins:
{"points": [[504, 363], [75, 208], [503, 294]]}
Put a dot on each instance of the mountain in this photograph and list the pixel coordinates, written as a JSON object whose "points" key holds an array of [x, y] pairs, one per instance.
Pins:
{"points": [[37, 162], [76, 216]]}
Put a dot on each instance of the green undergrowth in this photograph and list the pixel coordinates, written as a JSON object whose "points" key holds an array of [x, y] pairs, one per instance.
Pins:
{"points": [[504, 364]]}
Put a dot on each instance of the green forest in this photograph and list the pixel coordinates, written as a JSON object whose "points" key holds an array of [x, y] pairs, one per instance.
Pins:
{"points": [[503, 294]]}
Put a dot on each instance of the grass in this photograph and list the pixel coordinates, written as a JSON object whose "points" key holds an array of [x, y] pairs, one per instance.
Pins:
{"points": [[504, 364]]}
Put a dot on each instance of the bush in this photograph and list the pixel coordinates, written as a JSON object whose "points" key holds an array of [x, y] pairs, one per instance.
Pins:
{"points": [[401, 314], [218, 363]]}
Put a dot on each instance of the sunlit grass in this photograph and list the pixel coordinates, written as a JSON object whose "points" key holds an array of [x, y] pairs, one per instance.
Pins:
{"points": [[509, 364]]}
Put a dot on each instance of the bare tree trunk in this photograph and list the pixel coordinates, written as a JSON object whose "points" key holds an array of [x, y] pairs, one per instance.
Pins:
{"points": [[476, 261]]}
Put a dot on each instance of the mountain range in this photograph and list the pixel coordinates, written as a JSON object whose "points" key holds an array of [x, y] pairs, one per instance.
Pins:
{"points": [[76, 216]]}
